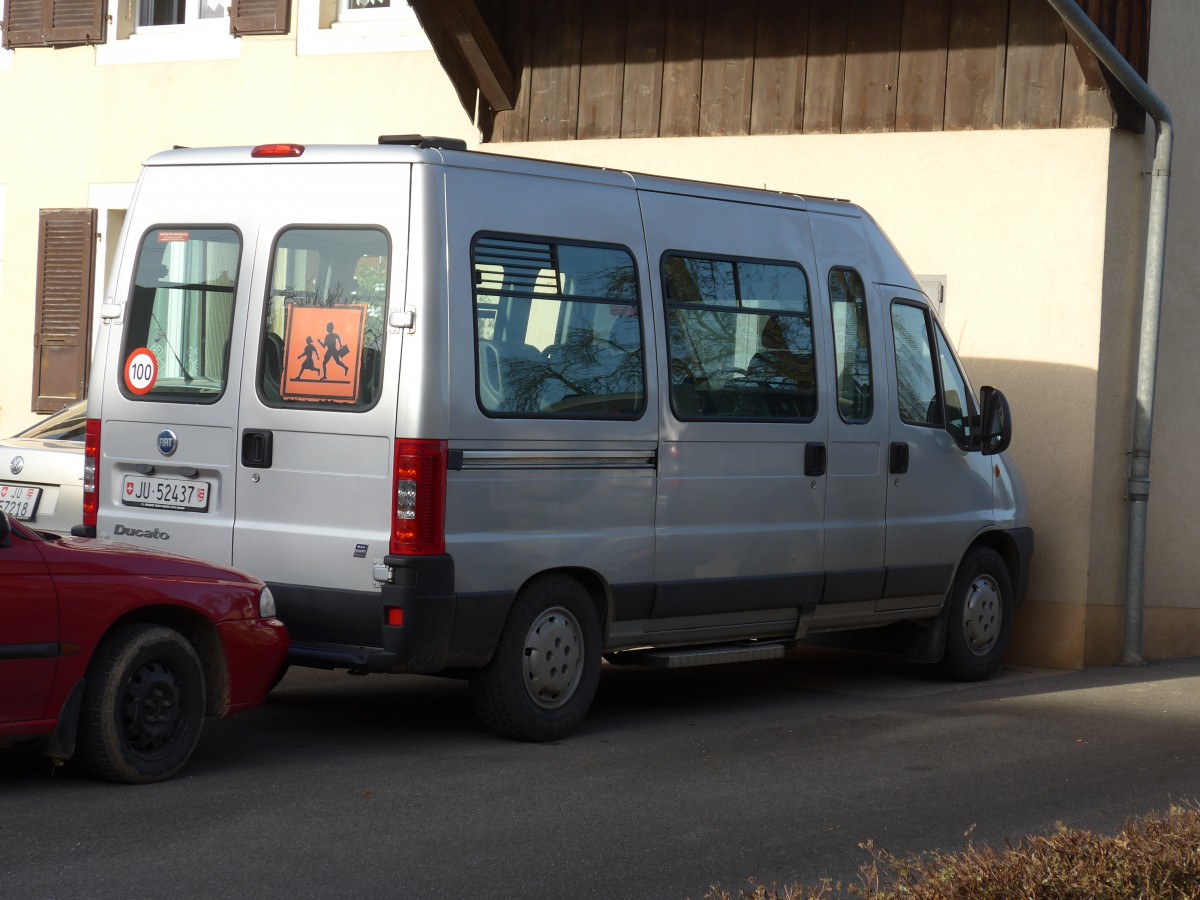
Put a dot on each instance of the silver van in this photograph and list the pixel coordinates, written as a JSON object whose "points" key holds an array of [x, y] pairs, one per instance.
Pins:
{"points": [[503, 419]]}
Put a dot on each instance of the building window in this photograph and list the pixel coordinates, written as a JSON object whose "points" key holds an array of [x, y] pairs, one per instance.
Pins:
{"points": [[156, 14], [372, 10], [357, 26]]}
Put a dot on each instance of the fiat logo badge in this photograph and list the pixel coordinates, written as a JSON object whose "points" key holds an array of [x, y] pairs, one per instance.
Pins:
{"points": [[167, 442], [16, 465]]}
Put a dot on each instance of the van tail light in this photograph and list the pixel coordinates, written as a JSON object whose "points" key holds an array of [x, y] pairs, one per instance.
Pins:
{"points": [[91, 472], [419, 486]]}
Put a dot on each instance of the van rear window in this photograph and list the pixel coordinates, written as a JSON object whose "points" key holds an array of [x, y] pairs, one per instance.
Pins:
{"points": [[179, 317], [323, 326]]}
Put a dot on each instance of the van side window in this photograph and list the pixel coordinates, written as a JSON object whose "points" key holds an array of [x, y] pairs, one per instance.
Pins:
{"points": [[916, 383], [852, 345], [558, 329], [180, 315], [324, 319], [958, 396], [739, 335]]}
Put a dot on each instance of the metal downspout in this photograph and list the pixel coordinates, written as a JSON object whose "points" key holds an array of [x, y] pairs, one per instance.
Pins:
{"points": [[1156, 239]]}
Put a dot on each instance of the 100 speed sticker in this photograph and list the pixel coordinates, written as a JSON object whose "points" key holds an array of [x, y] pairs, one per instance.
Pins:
{"points": [[141, 371]]}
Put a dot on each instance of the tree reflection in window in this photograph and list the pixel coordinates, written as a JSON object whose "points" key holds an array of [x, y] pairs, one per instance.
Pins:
{"points": [[916, 385], [739, 336], [558, 329]]}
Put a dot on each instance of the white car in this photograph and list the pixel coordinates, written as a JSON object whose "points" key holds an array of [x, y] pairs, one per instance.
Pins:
{"points": [[41, 472]]}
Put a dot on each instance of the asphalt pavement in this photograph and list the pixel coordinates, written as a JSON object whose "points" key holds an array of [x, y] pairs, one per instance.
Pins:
{"points": [[387, 787]]}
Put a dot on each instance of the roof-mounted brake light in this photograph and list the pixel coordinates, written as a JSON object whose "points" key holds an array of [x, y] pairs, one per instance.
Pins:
{"points": [[276, 151]]}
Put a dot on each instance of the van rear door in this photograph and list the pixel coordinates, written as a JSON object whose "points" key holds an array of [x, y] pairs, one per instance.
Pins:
{"points": [[316, 425], [170, 395]]}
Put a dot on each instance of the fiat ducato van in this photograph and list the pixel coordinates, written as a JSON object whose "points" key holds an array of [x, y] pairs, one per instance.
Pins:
{"points": [[504, 419]]}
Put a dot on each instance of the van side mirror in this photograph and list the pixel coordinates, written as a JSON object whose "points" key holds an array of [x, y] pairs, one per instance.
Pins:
{"points": [[996, 422]]}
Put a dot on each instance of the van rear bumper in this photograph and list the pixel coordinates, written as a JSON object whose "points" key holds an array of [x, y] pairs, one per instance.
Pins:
{"points": [[437, 629]]}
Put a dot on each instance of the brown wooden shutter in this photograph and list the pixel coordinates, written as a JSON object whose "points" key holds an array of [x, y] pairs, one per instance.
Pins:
{"points": [[66, 269], [260, 16], [23, 23], [40, 23]]}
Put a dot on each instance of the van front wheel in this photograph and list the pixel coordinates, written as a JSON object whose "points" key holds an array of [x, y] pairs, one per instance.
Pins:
{"points": [[543, 675], [980, 617]]}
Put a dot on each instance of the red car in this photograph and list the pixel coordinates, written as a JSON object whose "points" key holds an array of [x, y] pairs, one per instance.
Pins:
{"points": [[116, 653]]}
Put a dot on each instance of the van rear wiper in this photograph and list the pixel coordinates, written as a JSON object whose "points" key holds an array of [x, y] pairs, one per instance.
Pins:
{"points": [[187, 376]]}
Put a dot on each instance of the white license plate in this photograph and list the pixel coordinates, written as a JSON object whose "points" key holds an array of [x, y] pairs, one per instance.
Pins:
{"points": [[165, 493], [20, 501]]}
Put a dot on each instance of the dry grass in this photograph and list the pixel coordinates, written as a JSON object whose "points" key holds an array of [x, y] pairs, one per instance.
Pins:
{"points": [[1155, 857]]}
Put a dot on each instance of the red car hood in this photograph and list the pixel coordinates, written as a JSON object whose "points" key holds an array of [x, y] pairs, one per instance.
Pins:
{"points": [[88, 556]]}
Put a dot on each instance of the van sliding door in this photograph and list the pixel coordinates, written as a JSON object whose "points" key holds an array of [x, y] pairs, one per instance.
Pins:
{"points": [[742, 471]]}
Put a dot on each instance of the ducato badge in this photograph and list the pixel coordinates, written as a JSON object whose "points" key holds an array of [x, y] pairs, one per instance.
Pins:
{"points": [[167, 442]]}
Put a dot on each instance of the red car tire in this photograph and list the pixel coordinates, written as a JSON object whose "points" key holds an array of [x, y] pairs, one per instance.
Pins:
{"points": [[143, 705]]}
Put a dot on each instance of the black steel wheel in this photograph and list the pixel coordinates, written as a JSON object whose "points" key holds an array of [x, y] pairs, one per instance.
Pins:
{"points": [[543, 675], [980, 621], [143, 705]]}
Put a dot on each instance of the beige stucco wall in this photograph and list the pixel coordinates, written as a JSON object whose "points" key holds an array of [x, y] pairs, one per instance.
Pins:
{"points": [[1037, 232]]}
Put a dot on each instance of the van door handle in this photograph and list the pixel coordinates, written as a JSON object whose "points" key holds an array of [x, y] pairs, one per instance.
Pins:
{"points": [[898, 462], [256, 448], [814, 459]]}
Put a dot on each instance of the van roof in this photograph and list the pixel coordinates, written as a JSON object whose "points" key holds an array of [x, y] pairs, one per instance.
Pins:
{"points": [[443, 152]]}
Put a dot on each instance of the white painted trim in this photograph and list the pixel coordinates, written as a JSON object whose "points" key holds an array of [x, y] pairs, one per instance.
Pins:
{"points": [[168, 46], [397, 32]]}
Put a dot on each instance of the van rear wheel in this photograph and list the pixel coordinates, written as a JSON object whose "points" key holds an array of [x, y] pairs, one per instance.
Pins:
{"points": [[543, 675], [980, 621]]}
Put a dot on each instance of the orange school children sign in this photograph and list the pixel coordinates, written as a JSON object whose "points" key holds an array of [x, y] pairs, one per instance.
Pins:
{"points": [[322, 352]]}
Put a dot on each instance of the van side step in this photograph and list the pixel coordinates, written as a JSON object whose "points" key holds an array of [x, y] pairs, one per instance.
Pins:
{"points": [[685, 657]]}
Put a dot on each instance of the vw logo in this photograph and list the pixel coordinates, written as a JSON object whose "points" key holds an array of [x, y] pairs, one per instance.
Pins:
{"points": [[17, 464], [167, 442]]}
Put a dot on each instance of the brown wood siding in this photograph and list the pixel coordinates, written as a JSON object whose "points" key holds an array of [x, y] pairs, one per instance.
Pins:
{"points": [[667, 68], [66, 267]]}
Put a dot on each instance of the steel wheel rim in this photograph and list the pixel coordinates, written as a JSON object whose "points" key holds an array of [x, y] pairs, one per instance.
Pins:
{"points": [[983, 615], [152, 714], [553, 659]]}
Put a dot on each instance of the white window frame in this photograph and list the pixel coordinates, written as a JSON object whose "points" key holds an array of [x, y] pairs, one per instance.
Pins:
{"points": [[391, 30], [200, 40], [192, 21], [397, 10]]}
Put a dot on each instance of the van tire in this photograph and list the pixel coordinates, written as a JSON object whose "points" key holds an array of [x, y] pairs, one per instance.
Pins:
{"points": [[525, 692], [980, 621], [143, 705]]}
